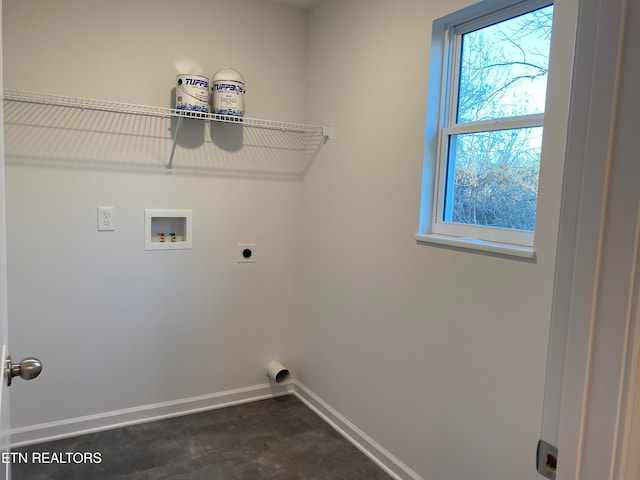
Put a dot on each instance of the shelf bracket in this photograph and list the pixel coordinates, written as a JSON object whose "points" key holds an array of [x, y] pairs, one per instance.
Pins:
{"points": [[326, 132], [173, 147]]}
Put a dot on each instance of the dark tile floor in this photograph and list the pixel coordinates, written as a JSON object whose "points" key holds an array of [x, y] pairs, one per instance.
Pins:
{"points": [[275, 439]]}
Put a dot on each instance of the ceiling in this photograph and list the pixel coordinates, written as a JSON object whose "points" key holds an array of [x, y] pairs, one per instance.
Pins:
{"points": [[304, 4]]}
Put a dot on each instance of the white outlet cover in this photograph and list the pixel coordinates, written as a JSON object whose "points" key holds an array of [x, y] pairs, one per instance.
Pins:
{"points": [[246, 253], [106, 219]]}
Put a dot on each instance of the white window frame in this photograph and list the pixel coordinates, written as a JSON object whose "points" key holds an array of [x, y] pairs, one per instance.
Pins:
{"points": [[441, 124]]}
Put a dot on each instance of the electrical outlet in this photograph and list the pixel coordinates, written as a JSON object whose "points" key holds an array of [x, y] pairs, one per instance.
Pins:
{"points": [[246, 253], [106, 219]]}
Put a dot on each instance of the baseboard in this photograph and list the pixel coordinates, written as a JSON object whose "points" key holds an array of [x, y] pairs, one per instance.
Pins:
{"points": [[72, 427], [378, 454]]}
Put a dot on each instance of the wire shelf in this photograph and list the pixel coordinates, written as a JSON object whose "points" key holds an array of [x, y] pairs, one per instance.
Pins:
{"points": [[299, 143], [133, 109]]}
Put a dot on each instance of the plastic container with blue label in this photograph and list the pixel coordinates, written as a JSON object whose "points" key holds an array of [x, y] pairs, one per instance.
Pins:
{"points": [[192, 93], [227, 92]]}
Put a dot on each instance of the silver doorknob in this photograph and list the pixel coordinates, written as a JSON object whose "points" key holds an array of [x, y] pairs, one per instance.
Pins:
{"points": [[28, 369]]}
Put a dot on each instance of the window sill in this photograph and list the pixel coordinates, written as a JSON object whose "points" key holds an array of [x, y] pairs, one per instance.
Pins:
{"points": [[475, 244]]}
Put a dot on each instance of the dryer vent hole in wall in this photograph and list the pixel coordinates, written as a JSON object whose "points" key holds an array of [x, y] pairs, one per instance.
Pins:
{"points": [[278, 373], [282, 376]]}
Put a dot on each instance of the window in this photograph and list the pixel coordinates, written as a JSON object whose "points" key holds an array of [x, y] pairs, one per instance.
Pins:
{"points": [[487, 142]]}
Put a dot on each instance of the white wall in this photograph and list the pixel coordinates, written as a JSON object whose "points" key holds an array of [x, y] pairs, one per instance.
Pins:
{"points": [[438, 354], [115, 326]]}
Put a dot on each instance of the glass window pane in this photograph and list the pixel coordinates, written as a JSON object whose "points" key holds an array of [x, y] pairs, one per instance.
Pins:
{"points": [[503, 69], [492, 178]]}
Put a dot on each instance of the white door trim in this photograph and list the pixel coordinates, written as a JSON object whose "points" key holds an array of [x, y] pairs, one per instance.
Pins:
{"points": [[627, 456], [595, 273]]}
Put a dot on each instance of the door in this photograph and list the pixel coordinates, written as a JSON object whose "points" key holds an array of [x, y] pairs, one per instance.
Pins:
{"points": [[5, 467]]}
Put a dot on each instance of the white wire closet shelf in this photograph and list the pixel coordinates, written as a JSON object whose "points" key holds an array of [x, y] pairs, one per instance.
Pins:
{"points": [[264, 146]]}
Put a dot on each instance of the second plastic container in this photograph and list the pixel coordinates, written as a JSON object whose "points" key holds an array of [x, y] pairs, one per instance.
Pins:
{"points": [[227, 92]]}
